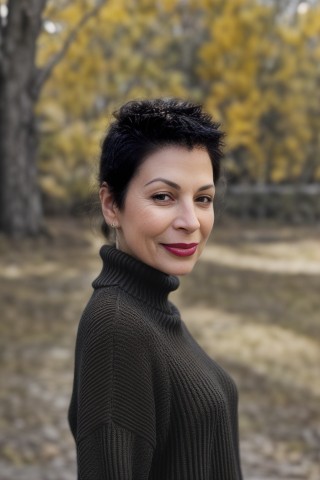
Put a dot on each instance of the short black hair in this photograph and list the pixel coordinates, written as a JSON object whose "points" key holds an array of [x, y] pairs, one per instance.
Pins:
{"points": [[143, 126]]}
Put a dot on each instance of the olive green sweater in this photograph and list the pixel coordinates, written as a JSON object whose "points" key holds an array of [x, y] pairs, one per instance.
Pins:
{"points": [[147, 401]]}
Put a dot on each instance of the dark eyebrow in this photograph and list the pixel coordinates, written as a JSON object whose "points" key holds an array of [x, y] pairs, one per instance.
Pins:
{"points": [[205, 187], [176, 186], [168, 182]]}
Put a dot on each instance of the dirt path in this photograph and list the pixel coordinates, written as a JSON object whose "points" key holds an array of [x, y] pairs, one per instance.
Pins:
{"points": [[303, 257], [253, 304]]}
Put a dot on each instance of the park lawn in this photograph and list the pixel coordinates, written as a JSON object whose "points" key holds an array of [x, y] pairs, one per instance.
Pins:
{"points": [[252, 302]]}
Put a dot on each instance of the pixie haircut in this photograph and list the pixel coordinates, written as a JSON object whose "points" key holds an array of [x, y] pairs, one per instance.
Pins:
{"points": [[142, 127]]}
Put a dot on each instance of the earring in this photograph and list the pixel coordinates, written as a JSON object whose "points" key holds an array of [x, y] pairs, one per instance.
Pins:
{"points": [[114, 225]]}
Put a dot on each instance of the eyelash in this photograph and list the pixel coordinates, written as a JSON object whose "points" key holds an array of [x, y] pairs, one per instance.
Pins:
{"points": [[157, 195], [209, 199]]}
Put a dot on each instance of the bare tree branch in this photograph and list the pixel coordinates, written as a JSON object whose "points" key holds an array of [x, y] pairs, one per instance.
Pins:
{"points": [[45, 72]]}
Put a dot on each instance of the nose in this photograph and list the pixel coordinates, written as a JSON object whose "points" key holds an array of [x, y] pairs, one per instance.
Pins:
{"points": [[186, 218]]}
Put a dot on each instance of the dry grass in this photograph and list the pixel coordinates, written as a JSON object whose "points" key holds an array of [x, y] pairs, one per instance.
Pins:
{"points": [[252, 302]]}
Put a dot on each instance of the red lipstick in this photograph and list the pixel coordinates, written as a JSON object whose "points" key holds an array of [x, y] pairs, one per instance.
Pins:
{"points": [[181, 249]]}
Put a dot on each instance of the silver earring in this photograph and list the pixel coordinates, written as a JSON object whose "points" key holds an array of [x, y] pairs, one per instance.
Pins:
{"points": [[114, 225]]}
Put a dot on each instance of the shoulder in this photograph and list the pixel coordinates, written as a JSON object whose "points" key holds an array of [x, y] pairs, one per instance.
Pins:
{"points": [[113, 314], [99, 313]]}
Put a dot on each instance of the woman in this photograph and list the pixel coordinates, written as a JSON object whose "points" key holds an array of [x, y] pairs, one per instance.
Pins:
{"points": [[148, 402]]}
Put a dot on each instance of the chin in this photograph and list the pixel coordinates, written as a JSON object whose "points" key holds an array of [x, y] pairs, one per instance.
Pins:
{"points": [[180, 270]]}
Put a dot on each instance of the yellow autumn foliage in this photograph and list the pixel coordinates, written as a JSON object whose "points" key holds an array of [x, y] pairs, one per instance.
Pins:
{"points": [[257, 74]]}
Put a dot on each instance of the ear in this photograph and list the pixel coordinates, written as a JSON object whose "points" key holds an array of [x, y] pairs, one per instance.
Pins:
{"points": [[108, 206]]}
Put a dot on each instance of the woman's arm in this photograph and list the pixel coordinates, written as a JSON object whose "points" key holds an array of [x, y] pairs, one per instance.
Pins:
{"points": [[116, 405], [112, 452]]}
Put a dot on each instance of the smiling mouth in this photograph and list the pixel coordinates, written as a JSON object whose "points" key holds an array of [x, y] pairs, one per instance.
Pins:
{"points": [[181, 249]]}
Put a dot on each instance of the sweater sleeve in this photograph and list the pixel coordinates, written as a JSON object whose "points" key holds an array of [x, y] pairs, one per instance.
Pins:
{"points": [[118, 401], [112, 452]]}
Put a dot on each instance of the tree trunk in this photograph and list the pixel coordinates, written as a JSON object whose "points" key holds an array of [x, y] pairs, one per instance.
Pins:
{"points": [[20, 204], [20, 85]]}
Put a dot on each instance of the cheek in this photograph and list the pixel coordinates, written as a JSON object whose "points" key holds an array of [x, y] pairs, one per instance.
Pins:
{"points": [[145, 227], [207, 223], [154, 220]]}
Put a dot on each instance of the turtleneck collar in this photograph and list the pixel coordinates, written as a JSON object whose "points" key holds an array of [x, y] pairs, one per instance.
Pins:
{"points": [[136, 278]]}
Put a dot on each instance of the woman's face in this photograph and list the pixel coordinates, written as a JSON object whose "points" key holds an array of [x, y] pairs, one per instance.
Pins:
{"points": [[168, 212]]}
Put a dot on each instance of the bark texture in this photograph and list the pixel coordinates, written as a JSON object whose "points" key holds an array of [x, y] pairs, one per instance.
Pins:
{"points": [[20, 205], [20, 86]]}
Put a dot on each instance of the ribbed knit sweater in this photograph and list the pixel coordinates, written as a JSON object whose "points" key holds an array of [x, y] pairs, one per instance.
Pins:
{"points": [[147, 401]]}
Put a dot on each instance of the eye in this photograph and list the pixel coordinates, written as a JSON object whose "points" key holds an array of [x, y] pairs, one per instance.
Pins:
{"points": [[161, 197], [206, 199]]}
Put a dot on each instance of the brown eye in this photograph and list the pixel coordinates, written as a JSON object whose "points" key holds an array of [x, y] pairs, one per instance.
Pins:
{"points": [[162, 197], [205, 199]]}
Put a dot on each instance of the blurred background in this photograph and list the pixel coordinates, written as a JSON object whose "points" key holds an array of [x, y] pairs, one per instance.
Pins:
{"points": [[253, 300]]}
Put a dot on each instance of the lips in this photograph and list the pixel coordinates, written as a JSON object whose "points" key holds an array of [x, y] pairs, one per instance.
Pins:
{"points": [[181, 249]]}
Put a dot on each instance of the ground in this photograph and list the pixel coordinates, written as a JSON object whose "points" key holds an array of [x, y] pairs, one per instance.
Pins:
{"points": [[252, 302]]}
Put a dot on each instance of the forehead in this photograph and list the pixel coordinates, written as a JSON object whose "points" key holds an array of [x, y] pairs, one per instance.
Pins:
{"points": [[177, 161]]}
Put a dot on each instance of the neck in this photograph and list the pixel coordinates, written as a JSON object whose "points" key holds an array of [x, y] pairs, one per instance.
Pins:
{"points": [[136, 278]]}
